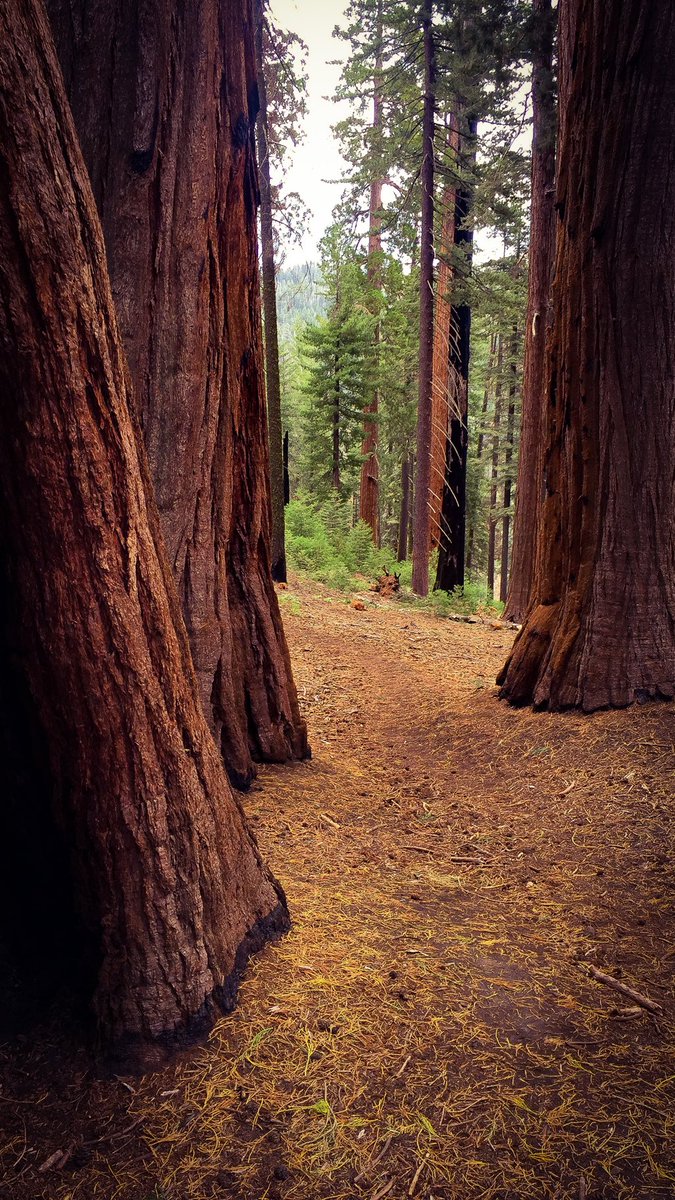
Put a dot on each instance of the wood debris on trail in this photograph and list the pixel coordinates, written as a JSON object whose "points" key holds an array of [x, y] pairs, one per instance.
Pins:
{"points": [[425, 1029]]}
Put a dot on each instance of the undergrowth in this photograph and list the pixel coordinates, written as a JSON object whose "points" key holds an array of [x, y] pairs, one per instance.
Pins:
{"points": [[322, 543]]}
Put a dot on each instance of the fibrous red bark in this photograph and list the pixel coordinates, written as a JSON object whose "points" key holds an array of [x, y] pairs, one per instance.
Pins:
{"points": [[269, 296], [169, 888], [530, 489], [441, 386], [165, 99], [601, 627], [421, 520]]}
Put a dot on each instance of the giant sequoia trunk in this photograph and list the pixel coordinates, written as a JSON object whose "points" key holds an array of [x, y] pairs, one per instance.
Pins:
{"points": [[165, 100], [530, 490], [420, 573], [601, 628], [168, 885], [451, 554], [269, 294]]}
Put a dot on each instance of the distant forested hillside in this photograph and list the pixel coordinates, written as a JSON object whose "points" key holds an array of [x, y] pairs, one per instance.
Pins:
{"points": [[300, 297]]}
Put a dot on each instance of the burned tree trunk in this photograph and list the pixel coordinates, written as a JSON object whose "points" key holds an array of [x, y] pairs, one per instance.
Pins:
{"points": [[530, 490], [420, 576], [451, 554], [269, 295], [600, 630], [166, 126], [369, 496], [169, 889]]}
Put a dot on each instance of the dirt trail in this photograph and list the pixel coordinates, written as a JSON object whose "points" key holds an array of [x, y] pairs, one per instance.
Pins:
{"points": [[426, 1029]]}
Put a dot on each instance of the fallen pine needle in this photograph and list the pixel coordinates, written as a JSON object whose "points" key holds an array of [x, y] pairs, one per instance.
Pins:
{"points": [[383, 1191], [416, 1176]]}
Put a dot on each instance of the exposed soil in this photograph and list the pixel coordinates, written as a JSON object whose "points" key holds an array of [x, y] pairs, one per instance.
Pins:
{"points": [[426, 1029]]}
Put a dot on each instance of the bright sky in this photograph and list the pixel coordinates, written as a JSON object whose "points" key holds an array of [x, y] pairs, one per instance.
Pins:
{"points": [[317, 159]]}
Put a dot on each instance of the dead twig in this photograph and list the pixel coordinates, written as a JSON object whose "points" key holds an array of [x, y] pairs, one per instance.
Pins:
{"points": [[651, 1005]]}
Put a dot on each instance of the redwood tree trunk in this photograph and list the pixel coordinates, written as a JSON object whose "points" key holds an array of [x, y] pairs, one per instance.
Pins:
{"points": [[508, 459], [440, 370], [369, 496], [420, 575], [269, 296], [451, 554], [600, 630], [530, 489], [164, 100], [167, 880]]}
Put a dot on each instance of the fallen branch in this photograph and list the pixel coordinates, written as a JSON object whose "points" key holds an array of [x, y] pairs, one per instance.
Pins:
{"points": [[610, 981]]}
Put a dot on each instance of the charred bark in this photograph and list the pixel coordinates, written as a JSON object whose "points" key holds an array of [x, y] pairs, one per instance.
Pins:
{"points": [[451, 554], [530, 490], [420, 576], [600, 630], [165, 101], [169, 889], [269, 296]]}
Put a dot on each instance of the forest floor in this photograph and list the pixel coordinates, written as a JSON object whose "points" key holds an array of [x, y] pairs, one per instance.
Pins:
{"points": [[429, 1027]]}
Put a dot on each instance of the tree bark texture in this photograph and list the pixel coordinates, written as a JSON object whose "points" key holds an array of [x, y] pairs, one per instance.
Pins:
{"points": [[269, 296], [600, 630], [530, 489], [440, 370], [165, 100], [508, 461], [168, 882], [420, 573], [369, 494], [451, 553]]}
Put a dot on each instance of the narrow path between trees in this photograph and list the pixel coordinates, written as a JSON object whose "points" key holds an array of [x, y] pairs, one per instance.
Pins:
{"points": [[426, 1029]]}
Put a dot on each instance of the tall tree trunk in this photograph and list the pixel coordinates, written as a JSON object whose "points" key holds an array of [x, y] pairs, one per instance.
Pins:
{"points": [[600, 630], [269, 296], [440, 370], [404, 519], [480, 442], [164, 103], [451, 554], [168, 883], [287, 473], [530, 490], [494, 472], [420, 575], [369, 499], [508, 459], [335, 470]]}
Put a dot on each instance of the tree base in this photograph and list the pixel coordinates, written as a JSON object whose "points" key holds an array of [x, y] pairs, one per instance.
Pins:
{"points": [[556, 665], [134, 1055]]}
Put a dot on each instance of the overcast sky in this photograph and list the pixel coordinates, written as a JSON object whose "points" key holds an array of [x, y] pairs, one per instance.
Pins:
{"points": [[317, 159]]}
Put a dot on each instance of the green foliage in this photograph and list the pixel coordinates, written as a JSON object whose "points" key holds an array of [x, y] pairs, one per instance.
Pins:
{"points": [[322, 543]]}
